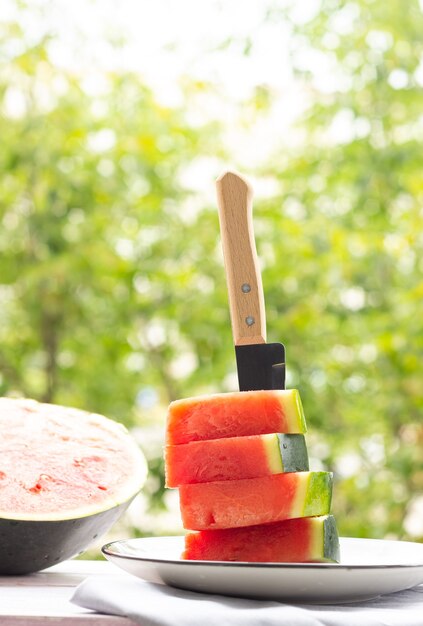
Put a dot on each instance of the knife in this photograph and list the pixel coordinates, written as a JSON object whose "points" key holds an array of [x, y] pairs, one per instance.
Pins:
{"points": [[260, 365]]}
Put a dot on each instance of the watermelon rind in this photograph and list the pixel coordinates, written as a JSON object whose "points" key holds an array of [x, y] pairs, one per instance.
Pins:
{"points": [[325, 540], [295, 412], [293, 452], [29, 546], [319, 494], [331, 548]]}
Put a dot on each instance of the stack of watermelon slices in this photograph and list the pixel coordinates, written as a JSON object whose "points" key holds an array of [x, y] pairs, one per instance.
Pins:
{"points": [[246, 493]]}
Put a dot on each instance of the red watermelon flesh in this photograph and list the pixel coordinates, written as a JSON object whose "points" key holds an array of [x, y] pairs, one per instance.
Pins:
{"points": [[57, 462], [235, 414], [307, 539], [234, 503], [234, 458]]}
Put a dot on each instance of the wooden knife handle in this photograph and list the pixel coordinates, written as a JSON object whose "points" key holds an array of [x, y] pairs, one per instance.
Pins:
{"points": [[246, 299]]}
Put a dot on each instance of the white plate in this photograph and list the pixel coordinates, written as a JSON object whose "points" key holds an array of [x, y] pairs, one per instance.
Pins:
{"points": [[369, 568]]}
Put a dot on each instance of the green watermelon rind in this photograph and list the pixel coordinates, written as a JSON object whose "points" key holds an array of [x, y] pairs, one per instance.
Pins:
{"points": [[295, 411], [331, 547], [324, 540], [318, 496], [293, 452], [28, 546]]}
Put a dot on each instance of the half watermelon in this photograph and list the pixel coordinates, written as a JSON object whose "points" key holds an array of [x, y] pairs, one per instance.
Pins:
{"points": [[65, 477]]}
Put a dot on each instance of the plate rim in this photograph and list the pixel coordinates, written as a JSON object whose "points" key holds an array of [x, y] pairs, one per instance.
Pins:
{"points": [[107, 550]]}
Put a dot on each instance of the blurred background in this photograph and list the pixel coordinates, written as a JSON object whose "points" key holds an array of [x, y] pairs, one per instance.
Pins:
{"points": [[115, 120]]}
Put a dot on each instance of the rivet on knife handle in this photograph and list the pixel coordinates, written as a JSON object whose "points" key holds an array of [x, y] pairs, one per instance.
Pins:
{"points": [[246, 300]]}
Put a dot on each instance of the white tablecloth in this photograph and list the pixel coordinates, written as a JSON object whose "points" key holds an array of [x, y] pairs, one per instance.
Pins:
{"points": [[158, 605]]}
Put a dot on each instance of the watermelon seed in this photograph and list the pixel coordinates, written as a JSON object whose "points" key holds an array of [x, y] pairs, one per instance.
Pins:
{"points": [[36, 488], [102, 487]]}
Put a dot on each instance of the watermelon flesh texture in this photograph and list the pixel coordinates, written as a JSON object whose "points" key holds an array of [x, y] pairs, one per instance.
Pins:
{"points": [[235, 414], [253, 501], [65, 477], [307, 539], [234, 458]]}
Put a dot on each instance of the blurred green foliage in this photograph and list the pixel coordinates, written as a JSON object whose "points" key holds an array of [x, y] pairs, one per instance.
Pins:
{"points": [[112, 289]]}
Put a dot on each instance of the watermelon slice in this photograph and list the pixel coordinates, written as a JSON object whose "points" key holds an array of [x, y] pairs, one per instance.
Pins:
{"points": [[307, 539], [235, 414], [234, 458], [233, 503], [65, 478]]}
